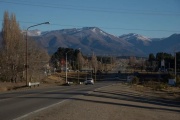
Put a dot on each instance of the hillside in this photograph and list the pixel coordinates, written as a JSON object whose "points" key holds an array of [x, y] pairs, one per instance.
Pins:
{"points": [[154, 45], [93, 39], [88, 39]]}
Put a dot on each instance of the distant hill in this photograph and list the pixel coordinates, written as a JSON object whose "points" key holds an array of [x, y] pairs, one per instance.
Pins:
{"points": [[93, 39], [88, 39], [136, 39], [154, 45], [168, 44]]}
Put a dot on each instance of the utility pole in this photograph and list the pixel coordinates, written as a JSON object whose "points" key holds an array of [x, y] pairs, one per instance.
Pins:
{"points": [[66, 66], [26, 65], [78, 64], [175, 66]]}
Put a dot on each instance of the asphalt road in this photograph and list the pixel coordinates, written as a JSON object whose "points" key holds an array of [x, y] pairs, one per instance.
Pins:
{"points": [[114, 102], [20, 103]]}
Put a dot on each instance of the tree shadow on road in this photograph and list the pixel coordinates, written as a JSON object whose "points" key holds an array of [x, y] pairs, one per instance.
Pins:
{"points": [[102, 96]]}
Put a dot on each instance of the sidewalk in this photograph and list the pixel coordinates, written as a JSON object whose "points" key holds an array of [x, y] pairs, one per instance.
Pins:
{"points": [[115, 102]]}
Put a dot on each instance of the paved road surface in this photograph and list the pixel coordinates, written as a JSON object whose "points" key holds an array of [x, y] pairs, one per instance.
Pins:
{"points": [[116, 102], [16, 104]]}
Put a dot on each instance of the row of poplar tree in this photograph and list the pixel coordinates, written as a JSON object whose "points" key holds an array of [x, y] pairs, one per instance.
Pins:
{"points": [[13, 53]]}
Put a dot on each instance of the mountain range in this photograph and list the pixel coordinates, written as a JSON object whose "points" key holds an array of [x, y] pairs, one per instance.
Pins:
{"points": [[89, 39], [154, 45], [93, 39]]}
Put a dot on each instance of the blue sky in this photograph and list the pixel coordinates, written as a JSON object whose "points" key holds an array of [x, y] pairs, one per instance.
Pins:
{"points": [[151, 18]]}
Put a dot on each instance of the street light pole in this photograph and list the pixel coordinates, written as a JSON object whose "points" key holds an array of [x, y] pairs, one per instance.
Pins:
{"points": [[175, 66], [26, 66], [66, 65], [78, 64]]}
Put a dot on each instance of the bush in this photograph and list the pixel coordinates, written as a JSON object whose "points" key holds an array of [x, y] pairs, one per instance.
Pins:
{"points": [[156, 85], [178, 80], [160, 86], [171, 76], [135, 80]]}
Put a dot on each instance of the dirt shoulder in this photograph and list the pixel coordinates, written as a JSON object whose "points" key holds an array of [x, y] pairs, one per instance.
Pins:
{"points": [[55, 79], [52, 80], [115, 102], [168, 93]]}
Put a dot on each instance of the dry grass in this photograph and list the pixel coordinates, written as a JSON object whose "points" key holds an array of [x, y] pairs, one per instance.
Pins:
{"points": [[159, 90], [54, 79], [6, 86]]}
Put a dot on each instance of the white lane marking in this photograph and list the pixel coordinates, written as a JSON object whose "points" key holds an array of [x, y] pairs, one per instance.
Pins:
{"points": [[41, 109], [103, 87]]}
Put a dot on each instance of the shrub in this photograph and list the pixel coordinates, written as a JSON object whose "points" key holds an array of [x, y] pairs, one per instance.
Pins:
{"points": [[160, 86], [135, 80], [156, 85], [171, 76], [178, 80]]}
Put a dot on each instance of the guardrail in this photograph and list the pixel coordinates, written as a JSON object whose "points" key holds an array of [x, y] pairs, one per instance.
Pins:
{"points": [[70, 83], [81, 83], [33, 84]]}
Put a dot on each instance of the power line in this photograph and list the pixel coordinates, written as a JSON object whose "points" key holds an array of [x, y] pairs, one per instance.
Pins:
{"points": [[93, 9], [100, 8], [104, 27]]}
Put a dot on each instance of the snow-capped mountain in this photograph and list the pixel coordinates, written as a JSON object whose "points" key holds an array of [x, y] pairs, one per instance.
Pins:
{"points": [[102, 43], [153, 45], [136, 39], [88, 39], [32, 32]]}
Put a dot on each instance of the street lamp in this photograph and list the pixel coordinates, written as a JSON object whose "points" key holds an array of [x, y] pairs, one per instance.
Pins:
{"points": [[66, 65], [175, 66], [26, 66], [78, 63]]}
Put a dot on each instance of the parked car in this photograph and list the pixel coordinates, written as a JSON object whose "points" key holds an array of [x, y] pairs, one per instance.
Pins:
{"points": [[89, 81]]}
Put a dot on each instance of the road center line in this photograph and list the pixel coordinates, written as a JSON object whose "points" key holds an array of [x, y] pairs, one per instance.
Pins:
{"points": [[41, 109]]}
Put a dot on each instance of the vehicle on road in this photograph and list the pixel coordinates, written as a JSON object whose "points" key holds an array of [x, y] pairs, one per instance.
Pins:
{"points": [[89, 81]]}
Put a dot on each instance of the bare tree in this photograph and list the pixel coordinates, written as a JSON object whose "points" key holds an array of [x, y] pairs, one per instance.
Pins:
{"points": [[12, 54], [12, 50], [38, 58], [80, 60], [94, 62], [132, 60]]}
